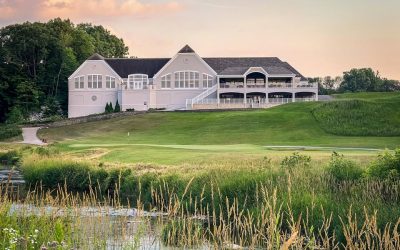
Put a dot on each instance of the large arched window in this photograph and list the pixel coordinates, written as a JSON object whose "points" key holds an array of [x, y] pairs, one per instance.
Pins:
{"points": [[138, 81]]}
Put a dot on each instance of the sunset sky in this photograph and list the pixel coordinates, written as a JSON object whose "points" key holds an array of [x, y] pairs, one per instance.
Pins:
{"points": [[319, 37]]}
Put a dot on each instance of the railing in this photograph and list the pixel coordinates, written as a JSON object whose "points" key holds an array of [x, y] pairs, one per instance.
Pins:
{"points": [[204, 94], [279, 85], [231, 100], [270, 85], [279, 100], [306, 85], [305, 99], [236, 85], [255, 85], [201, 96]]}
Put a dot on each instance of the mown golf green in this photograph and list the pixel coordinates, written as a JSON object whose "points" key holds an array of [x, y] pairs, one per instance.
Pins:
{"points": [[175, 137]]}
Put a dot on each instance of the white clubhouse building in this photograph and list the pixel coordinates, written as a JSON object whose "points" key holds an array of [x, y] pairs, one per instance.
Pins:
{"points": [[186, 81]]}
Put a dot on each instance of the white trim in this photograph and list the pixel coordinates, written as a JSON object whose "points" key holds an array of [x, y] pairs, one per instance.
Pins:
{"points": [[231, 76], [141, 83], [282, 75], [176, 55], [256, 70], [84, 63]]}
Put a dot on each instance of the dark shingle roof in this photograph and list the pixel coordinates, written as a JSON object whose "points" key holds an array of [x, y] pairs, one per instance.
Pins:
{"points": [[96, 56], [221, 65], [186, 49], [235, 65], [127, 66]]}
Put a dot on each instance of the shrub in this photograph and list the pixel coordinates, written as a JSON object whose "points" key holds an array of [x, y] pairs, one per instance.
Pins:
{"points": [[386, 166], [9, 131], [15, 116], [10, 157], [54, 172], [342, 169], [295, 161], [117, 107]]}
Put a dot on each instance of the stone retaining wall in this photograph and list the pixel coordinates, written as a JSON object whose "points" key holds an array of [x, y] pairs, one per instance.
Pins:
{"points": [[90, 118]]}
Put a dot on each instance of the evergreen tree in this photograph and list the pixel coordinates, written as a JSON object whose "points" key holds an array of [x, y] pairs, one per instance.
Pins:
{"points": [[111, 109], [106, 108], [117, 107]]}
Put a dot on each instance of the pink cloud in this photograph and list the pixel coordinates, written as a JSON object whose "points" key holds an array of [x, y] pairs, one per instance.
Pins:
{"points": [[104, 8], [83, 9]]}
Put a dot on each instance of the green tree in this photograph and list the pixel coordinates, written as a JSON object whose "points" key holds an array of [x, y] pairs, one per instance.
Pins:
{"points": [[104, 42], [360, 80], [117, 107], [41, 56]]}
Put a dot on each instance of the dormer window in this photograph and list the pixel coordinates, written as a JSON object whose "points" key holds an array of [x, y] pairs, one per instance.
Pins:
{"points": [[138, 81]]}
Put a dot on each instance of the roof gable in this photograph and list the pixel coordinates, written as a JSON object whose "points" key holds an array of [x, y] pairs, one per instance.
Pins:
{"points": [[96, 56], [186, 49]]}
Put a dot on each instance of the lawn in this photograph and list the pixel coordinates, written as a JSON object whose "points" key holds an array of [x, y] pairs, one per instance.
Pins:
{"points": [[175, 137]]}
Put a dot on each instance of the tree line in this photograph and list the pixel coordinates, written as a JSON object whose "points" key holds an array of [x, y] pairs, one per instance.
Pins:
{"points": [[36, 60], [355, 80]]}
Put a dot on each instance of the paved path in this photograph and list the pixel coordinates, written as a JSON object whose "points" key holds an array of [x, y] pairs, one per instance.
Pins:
{"points": [[30, 137]]}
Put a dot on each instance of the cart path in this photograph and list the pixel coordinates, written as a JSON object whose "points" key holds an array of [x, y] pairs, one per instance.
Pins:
{"points": [[30, 137]]}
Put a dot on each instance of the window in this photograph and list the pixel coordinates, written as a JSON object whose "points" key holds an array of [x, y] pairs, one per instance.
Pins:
{"points": [[110, 82], [138, 81], [95, 81], [79, 82], [186, 80], [207, 81], [166, 81]]}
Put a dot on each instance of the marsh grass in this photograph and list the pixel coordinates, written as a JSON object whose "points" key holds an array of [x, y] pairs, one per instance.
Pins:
{"points": [[294, 204]]}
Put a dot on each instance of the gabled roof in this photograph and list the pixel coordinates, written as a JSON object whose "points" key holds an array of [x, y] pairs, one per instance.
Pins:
{"points": [[127, 66], [186, 49], [221, 65]]}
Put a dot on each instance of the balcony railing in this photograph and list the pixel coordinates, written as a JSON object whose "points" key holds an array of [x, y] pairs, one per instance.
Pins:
{"points": [[255, 85], [235, 85], [306, 85], [270, 85], [280, 85]]}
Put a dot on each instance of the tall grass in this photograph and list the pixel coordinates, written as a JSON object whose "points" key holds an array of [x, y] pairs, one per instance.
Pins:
{"points": [[256, 204]]}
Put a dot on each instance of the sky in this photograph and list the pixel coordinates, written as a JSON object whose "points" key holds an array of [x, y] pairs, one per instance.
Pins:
{"points": [[318, 37]]}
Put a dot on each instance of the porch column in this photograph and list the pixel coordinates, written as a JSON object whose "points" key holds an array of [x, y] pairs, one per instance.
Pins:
{"points": [[245, 98], [218, 85], [316, 96], [293, 97]]}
